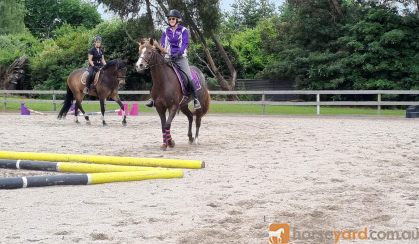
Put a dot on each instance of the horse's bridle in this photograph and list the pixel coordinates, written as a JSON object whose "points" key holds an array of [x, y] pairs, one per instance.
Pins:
{"points": [[122, 77], [154, 52]]}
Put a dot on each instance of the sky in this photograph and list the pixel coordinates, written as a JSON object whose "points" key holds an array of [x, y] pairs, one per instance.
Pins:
{"points": [[225, 5]]}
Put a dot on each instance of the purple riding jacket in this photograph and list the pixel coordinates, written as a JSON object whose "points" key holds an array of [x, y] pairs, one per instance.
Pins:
{"points": [[177, 41]]}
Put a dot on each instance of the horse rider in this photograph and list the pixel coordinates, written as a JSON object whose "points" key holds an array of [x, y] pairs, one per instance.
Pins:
{"points": [[175, 41], [96, 61]]}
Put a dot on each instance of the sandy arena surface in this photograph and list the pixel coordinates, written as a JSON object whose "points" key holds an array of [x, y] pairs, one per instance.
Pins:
{"points": [[316, 173]]}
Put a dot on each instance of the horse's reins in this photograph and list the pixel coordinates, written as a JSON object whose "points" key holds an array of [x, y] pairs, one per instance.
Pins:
{"points": [[173, 64], [118, 77], [156, 53]]}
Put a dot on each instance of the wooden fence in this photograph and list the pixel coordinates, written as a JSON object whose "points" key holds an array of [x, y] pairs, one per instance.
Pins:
{"points": [[8, 97]]}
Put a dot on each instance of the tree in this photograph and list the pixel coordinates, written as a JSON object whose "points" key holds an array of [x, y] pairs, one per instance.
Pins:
{"points": [[302, 28], [60, 56], [381, 50], [247, 13], [247, 45], [202, 18], [12, 13], [42, 19], [371, 46]]}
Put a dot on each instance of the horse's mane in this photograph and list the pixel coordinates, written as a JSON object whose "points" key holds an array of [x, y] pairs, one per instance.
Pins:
{"points": [[114, 62]]}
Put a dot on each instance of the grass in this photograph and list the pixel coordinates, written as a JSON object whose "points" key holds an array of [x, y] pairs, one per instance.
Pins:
{"points": [[229, 109], [300, 110]]}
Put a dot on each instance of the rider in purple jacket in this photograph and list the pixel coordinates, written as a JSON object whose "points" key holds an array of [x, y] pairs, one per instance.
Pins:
{"points": [[175, 41]]}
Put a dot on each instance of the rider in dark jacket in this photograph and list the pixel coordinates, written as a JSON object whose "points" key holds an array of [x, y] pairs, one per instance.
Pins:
{"points": [[96, 60]]}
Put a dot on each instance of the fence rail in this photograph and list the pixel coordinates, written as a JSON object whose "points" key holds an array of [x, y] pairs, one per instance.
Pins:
{"points": [[263, 102]]}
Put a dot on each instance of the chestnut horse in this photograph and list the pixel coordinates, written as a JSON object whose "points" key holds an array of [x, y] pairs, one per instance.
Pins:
{"points": [[167, 91], [110, 77]]}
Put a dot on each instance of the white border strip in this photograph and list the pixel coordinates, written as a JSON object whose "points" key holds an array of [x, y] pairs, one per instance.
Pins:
{"points": [[18, 164], [25, 182]]}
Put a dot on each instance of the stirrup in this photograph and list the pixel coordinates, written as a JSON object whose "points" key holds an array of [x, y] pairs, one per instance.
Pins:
{"points": [[196, 104], [150, 103]]}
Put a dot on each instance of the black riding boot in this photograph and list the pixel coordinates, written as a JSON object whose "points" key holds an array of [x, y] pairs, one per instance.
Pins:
{"points": [[88, 83], [196, 103]]}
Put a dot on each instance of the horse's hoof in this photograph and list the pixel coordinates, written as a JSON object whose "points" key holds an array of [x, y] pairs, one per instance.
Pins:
{"points": [[196, 141], [163, 147], [124, 123], [172, 143], [77, 122], [104, 124], [191, 141]]}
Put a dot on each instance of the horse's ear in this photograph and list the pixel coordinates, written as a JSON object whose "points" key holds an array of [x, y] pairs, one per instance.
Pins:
{"points": [[151, 41], [157, 46], [122, 63], [142, 41]]}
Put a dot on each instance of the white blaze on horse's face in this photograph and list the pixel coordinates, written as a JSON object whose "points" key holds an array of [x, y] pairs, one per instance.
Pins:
{"points": [[141, 65]]}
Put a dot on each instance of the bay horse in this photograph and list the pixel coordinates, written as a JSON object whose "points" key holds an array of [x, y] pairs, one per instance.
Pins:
{"points": [[167, 91], [109, 79]]}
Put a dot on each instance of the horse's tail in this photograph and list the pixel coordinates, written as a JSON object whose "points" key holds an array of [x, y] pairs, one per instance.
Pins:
{"points": [[206, 99], [69, 97]]}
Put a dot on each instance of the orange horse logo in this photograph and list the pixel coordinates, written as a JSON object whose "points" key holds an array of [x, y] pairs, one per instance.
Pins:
{"points": [[279, 233]]}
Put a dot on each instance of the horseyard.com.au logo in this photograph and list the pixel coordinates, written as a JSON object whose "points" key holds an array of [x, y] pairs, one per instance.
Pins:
{"points": [[279, 233]]}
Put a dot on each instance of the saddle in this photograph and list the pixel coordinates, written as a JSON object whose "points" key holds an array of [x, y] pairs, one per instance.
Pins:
{"points": [[183, 80], [83, 78]]}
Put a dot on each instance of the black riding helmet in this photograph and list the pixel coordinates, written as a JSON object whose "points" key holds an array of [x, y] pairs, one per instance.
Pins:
{"points": [[174, 13], [97, 38]]}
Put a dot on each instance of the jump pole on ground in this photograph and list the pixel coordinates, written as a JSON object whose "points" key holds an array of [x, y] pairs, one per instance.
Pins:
{"points": [[98, 159], [86, 179], [66, 167]]}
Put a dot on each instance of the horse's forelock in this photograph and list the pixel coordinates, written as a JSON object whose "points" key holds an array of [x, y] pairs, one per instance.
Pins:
{"points": [[143, 40], [121, 64], [114, 62]]}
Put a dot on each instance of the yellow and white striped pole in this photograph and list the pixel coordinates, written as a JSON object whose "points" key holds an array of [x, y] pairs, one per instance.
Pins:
{"points": [[100, 178], [98, 159]]}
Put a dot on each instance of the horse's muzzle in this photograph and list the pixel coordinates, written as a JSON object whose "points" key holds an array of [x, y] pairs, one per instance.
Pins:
{"points": [[140, 69]]}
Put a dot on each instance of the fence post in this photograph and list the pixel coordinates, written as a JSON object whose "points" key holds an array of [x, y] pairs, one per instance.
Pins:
{"points": [[4, 102], [263, 103], [54, 105], [318, 103], [379, 103]]}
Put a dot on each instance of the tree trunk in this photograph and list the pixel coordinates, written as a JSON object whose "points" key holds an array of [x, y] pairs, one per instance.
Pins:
{"points": [[2, 80], [15, 74], [197, 34], [417, 7], [224, 84], [149, 14], [334, 4], [162, 6], [233, 72]]}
